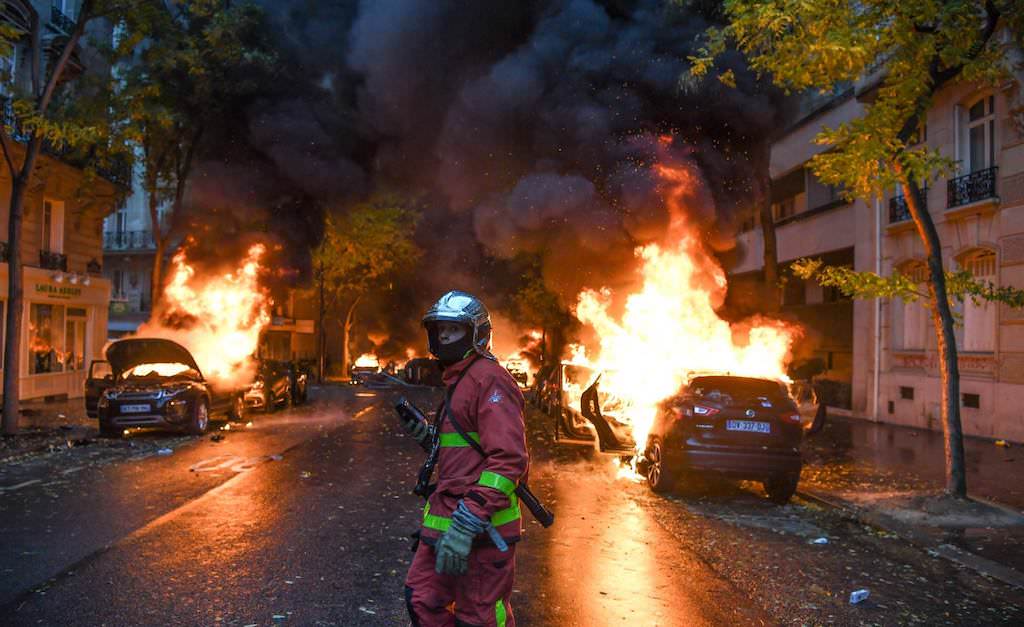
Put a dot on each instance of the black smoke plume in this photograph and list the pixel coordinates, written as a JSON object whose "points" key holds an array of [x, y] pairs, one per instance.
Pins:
{"points": [[532, 126]]}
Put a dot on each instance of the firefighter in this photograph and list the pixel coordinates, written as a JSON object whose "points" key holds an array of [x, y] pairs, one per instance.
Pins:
{"points": [[463, 568]]}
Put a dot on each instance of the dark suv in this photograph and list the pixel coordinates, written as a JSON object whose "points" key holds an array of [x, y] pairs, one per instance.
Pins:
{"points": [[742, 427], [152, 382]]}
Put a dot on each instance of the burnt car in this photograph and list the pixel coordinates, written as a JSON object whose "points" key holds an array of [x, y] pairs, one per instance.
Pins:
{"points": [[740, 427], [583, 412], [152, 382], [274, 386]]}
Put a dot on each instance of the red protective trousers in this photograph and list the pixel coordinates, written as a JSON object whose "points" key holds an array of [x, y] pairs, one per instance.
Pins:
{"points": [[480, 597]]}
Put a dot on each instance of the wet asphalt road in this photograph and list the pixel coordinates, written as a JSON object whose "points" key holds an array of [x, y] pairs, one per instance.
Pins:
{"points": [[303, 520]]}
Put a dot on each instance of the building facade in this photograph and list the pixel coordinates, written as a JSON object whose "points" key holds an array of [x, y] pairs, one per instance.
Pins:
{"points": [[881, 356], [66, 298], [129, 250]]}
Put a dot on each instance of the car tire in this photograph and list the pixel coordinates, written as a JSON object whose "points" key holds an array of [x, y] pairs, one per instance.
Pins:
{"points": [[237, 412], [781, 488], [659, 477], [200, 421]]}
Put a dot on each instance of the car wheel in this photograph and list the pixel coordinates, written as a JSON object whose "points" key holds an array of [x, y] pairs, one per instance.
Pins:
{"points": [[781, 488], [200, 418], [659, 477], [237, 409]]}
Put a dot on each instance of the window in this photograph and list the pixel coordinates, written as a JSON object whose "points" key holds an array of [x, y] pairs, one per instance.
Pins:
{"points": [[67, 7], [74, 334], [911, 324], [53, 227], [979, 320], [46, 341], [784, 208], [906, 393], [981, 130], [972, 401]]}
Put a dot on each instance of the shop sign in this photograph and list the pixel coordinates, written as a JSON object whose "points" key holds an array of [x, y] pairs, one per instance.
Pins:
{"points": [[61, 292]]}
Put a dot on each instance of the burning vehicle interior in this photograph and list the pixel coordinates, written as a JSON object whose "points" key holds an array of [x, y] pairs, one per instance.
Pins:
{"points": [[155, 382]]}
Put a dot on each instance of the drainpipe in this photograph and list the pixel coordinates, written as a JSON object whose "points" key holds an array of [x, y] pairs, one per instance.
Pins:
{"points": [[878, 310]]}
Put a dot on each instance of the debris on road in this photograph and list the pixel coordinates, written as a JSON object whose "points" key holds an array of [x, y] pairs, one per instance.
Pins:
{"points": [[363, 609], [216, 437], [1003, 443], [165, 451], [820, 541], [858, 595]]}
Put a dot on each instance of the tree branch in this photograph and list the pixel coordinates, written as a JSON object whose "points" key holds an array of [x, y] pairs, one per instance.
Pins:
{"points": [[85, 15]]}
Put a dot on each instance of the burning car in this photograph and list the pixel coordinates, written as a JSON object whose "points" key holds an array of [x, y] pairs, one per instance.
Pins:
{"points": [[519, 371], [742, 427], [277, 383], [583, 412], [155, 382]]}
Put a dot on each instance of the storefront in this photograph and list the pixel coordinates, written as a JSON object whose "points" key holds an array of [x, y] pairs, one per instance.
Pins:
{"points": [[64, 327]]}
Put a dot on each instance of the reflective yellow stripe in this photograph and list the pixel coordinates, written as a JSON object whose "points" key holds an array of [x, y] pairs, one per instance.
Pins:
{"points": [[498, 482], [500, 614], [501, 517], [456, 440]]}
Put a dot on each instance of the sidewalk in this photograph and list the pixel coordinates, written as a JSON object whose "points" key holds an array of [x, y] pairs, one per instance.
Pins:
{"points": [[44, 425], [892, 477]]}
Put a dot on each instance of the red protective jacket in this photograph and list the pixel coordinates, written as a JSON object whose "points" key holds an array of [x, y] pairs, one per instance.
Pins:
{"points": [[489, 407]]}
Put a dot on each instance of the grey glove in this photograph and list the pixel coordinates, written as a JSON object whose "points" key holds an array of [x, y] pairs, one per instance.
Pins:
{"points": [[454, 545]]}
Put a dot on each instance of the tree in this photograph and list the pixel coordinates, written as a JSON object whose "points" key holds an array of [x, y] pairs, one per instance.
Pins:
{"points": [[42, 115], [188, 63], [361, 249], [534, 305], [918, 47]]}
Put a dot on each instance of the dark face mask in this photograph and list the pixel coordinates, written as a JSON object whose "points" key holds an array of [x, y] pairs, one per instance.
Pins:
{"points": [[449, 354]]}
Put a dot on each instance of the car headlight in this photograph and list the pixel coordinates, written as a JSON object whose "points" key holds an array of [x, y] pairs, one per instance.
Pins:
{"points": [[171, 391], [257, 385]]}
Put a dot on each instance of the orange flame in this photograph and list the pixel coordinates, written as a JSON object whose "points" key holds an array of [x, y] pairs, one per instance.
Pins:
{"points": [[367, 360], [223, 317], [669, 328]]}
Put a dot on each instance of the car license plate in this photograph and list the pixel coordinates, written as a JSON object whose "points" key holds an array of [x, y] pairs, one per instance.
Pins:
{"points": [[748, 425], [134, 409]]}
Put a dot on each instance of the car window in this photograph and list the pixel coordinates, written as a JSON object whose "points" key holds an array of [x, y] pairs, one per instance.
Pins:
{"points": [[737, 390]]}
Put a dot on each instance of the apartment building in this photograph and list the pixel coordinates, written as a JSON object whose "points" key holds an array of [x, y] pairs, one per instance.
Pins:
{"points": [[880, 357], [66, 297]]}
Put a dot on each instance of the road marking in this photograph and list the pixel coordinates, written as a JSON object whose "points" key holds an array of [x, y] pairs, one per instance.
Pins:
{"points": [[363, 411], [234, 463], [71, 470], [12, 488]]}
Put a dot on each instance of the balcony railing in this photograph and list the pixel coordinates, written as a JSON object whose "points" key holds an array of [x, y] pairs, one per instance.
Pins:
{"points": [[898, 209], [128, 240], [972, 187], [60, 20], [117, 170], [53, 261]]}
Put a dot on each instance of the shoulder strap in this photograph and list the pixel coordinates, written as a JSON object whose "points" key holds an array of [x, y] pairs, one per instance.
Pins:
{"points": [[455, 423]]}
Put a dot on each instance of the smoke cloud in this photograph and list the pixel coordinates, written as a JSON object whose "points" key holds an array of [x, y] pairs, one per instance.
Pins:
{"points": [[531, 126]]}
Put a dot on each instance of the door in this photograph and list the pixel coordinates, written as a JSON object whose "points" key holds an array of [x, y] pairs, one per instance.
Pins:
{"points": [[100, 378]]}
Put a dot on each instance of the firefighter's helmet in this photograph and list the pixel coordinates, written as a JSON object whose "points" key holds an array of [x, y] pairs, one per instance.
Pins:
{"points": [[463, 308]]}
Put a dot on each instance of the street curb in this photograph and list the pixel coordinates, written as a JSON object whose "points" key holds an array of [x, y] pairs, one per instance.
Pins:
{"points": [[981, 565]]}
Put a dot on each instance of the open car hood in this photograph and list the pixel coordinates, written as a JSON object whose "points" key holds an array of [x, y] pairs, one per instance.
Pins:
{"points": [[126, 354]]}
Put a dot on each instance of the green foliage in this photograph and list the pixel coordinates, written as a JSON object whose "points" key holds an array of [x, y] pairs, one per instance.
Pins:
{"points": [[533, 304], [185, 67], [910, 47], [367, 244], [960, 285]]}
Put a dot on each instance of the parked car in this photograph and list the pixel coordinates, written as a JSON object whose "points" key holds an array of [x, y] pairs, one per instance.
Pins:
{"points": [[742, 427], [152, 382], [273, 386]]}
